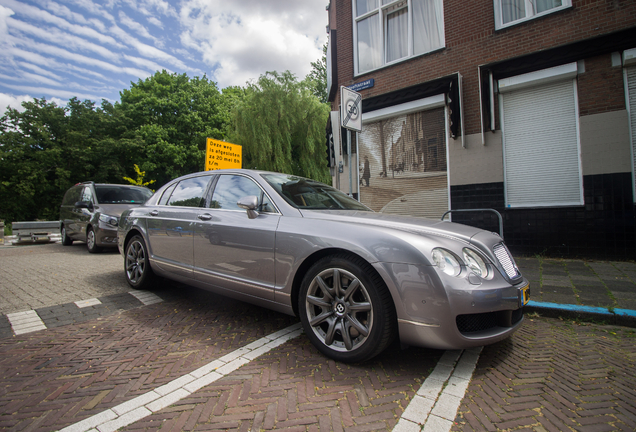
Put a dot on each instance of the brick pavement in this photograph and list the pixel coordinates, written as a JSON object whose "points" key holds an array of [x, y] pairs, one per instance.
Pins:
{"points": [[551, 375], [554, 375], [45, 275]]}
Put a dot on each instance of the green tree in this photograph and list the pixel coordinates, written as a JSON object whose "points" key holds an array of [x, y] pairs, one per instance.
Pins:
{"points": [[317, 78], [168, 117], [281, 126]]}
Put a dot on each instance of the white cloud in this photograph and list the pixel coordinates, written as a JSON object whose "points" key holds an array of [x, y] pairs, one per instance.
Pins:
{"points": [[44, 91], [60, 38], [134, 26], [15, 102], [63, 11], [62, 53], [155, 21], [146, 64], [147, 50], [93, 8], [32, 77], [33, 13], [242, 41], [39, 70]]}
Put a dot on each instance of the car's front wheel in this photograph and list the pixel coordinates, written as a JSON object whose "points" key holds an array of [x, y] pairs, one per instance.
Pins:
{"points": [[136, 264], [91, 241], [346, 309], [66, 240]]}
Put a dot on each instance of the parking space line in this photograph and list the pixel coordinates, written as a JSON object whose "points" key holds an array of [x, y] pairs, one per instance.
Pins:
{"points": [[25, 322], [147, 298], [87, 303], [142, 406], [434, 407]]}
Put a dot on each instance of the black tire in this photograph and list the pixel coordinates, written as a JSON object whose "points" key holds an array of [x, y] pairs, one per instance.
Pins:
{"points": [[139, 274], [351, 321], [66, 240], [91, 241]]}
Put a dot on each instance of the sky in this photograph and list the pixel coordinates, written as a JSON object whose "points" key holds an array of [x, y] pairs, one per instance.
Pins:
{"points": [[93, 49]]}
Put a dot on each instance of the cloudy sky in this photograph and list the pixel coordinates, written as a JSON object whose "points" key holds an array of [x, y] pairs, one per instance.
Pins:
{"points": [[92, 49]]}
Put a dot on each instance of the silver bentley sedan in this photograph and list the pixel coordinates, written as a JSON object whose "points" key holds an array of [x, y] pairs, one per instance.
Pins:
{"points": [[357, 279]]}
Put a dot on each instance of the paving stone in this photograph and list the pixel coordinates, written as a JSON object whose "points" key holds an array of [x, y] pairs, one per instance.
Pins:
{"points": [[575, 370]]}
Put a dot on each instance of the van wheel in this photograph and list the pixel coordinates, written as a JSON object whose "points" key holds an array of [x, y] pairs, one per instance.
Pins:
{"points": [[66, 240], [91, 242]]}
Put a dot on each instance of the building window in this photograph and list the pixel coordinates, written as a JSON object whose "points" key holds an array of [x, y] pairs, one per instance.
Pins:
{"points": [[542, 156], [511, 12], [388, 31]]}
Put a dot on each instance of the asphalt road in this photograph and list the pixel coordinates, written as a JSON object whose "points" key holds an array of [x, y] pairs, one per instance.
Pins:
{"points": [[182, 359]]}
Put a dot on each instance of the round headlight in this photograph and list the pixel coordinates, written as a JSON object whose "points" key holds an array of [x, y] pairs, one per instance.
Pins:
{"points": [[446, 262], [475, 263]]}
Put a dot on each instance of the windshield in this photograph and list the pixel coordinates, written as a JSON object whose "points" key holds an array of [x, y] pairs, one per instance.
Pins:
{"points": [[308, 194], [113, 194]]}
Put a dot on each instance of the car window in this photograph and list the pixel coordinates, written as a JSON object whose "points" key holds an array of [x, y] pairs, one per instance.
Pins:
{"points": [[231, 188], [304, 193], [113, 194], [166, 194], [189, 192], [72, 195], [87, 195]]}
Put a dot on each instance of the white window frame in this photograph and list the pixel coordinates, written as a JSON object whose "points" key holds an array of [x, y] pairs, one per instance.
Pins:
{"points": [[530, 15], [382, 16]]}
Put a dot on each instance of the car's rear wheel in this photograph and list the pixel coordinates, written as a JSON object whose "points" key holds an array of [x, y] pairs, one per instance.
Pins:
{"points": [[91, 241], [66, 240], [137, 265], [346, 309]]}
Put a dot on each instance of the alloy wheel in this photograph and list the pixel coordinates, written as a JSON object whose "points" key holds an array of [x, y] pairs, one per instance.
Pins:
{"points": [[339, 309], [135, 261]]}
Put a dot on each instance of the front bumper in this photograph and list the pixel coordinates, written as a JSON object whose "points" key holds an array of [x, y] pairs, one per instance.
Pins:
{"points": [[443, 312], [105, 235]]}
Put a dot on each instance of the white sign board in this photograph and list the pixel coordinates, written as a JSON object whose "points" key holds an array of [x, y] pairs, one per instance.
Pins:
{"points": [[351, 109]]}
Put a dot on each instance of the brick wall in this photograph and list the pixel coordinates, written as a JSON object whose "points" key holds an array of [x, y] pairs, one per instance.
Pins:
{"points": [[471, 40]]}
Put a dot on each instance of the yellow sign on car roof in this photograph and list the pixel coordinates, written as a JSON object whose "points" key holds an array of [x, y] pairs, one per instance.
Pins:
{"points": [[222, 155]]}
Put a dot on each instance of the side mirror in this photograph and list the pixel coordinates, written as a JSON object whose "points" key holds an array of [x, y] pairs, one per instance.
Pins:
{"points": [[84, 204], [249, 203]]}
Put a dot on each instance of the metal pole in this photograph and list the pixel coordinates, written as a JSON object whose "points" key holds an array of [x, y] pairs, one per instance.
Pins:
{"points": [[357, 165], [349, 161]]}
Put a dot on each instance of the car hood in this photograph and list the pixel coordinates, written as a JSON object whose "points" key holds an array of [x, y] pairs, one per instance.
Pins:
{"points": [[403, 223], [115, 209]]}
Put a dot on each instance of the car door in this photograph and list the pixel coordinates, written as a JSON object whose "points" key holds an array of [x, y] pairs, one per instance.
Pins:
{"points": [[231, 250], [83, 215], [68, 212], [171, 223]]}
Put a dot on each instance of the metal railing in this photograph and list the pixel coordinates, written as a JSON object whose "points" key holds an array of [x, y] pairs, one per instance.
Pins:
{"points": [[474, 210]]}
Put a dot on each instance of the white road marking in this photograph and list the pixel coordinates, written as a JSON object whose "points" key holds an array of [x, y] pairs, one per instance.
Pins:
{"points": [[25, 322], [86, 303], [433, 409], [147, 298], [142, 406]]}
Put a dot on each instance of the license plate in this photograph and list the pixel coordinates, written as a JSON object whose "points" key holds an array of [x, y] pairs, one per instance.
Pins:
{"points": [[525, 295]]}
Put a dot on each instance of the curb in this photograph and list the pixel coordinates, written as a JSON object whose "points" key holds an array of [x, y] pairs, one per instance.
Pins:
{"points": [[621, 317]]}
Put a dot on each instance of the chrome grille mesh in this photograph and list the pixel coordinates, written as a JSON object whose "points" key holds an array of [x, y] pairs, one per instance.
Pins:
{"points": [[506, 261]]}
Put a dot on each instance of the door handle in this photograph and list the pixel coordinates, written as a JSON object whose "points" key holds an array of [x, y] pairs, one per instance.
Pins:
{"points": [[154, 213], [205, 217]]}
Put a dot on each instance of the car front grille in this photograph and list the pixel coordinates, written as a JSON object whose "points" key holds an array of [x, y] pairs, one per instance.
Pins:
{"points": [[505, 259], [473, 323]]}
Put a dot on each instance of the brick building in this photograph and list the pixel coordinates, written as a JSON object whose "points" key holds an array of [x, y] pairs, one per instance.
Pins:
{"points": [[523, 106]]}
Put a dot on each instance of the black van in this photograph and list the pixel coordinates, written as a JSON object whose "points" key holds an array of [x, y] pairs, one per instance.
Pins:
{"points": [[90, 212]]}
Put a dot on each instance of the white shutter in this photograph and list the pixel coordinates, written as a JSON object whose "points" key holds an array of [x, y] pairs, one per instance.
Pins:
{"points": [[631, 89], [541, 147]]}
